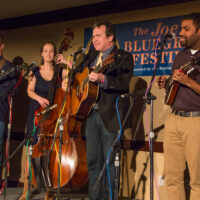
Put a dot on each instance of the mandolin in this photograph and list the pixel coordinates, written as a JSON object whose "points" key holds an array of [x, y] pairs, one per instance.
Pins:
{"points": [[172, 86]]}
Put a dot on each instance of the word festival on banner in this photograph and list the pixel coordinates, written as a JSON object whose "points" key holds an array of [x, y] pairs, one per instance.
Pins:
{"points": [[140, 38]]}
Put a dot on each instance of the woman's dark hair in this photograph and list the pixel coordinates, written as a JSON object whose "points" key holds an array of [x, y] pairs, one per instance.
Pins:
{"points": [[54, 48], [110, 30], [195, 17]]}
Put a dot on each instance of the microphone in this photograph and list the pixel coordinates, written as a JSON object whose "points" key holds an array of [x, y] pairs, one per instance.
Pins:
{"points": [[136, 93], [47, 110], [28, 69], [170, 36], [82, 50]]}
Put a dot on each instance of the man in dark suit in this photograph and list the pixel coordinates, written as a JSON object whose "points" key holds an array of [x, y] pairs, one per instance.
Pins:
{"points": [[102, 123]]}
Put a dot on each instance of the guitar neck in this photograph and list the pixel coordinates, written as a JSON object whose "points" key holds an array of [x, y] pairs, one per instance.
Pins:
{"points": [[5, 73], [96, 70], [170, 81], [102, 66]]}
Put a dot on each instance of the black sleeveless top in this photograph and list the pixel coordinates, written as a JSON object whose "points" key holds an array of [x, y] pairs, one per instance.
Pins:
{"points": [[41, 88]]}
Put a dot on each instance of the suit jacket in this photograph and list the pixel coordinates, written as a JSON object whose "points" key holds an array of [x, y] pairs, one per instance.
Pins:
{"points": [[118, 76]]}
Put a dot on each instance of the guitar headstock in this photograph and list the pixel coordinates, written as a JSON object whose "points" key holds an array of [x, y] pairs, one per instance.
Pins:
{"points": [[23, 66], [26, 67], [190, 66]]}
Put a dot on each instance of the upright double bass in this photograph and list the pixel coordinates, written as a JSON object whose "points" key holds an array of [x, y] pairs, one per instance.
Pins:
{"points": [[72, 163]]}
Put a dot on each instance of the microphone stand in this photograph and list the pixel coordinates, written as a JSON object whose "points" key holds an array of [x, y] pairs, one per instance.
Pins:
{"points": [[149, 100], [8, 141], [117, 173], [12, 91], [30, 151], [28, 137], [64, 99], [151, 134], [113, 146], [61, 128]]}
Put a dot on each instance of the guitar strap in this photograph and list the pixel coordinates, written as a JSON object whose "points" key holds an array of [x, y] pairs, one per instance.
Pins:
{"points": [[2, 62]]}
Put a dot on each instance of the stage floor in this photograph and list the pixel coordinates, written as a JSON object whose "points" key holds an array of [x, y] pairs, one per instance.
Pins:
{"points": [[14, 193]]}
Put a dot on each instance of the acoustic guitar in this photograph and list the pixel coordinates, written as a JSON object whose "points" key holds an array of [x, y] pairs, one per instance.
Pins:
{"points": [[85, 92], [172, 86]]}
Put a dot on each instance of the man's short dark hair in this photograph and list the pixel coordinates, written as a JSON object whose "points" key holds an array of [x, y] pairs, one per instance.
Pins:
{"points": [[110, 30], [195, 17], [1, 39]]}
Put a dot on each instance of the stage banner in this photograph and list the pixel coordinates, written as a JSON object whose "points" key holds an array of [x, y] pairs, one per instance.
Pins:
{"points": [[140, 38]]}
